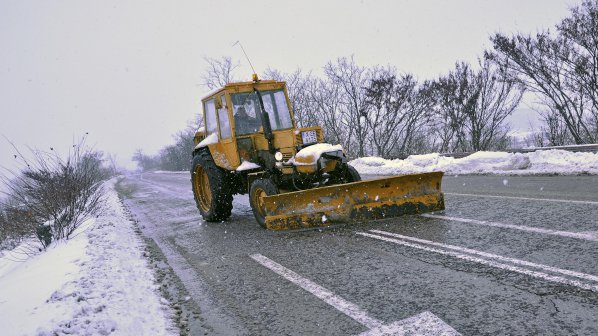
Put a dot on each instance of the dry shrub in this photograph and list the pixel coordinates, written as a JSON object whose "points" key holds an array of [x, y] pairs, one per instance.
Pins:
{"points": [[51, 196]]}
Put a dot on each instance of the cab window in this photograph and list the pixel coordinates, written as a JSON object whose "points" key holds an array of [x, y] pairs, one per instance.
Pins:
{"points": [[223, 120], [211, 123]]}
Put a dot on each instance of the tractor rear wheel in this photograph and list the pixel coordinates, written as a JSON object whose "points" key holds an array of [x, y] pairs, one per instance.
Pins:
{"points": [[261, 188], [211, 190]]}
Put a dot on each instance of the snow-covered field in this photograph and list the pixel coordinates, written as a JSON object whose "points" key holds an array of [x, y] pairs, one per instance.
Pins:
{"points": [[540, 162], [97, 283]]}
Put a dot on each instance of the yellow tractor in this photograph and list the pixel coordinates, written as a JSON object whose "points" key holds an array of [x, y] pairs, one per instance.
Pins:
{"points": [[251, 145]]}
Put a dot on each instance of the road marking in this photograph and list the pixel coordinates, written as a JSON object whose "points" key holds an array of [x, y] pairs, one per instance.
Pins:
{"points": [[526, 198], [344, 306], [577, 235], [580, 275], [462, 254], [424, 323]]}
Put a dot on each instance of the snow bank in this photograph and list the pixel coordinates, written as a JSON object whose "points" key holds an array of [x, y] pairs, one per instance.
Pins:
{"points": [[169, 172], [539, 162], [97, 283]]}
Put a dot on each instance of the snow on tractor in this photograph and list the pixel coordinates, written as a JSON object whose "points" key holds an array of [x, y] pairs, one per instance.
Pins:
{"points": [[251, 145]]}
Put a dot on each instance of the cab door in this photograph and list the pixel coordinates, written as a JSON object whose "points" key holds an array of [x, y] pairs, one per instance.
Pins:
{"points": [[228, 157]]}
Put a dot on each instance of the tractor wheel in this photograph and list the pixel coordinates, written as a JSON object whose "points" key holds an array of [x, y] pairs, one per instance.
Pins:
{"points": [[352, 175], [261, 188], [212, 193], [345, 175]]}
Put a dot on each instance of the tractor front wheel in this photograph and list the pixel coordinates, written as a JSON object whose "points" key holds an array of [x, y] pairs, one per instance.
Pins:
{"points": [[212, 193], [346, 174], [261, 188]]}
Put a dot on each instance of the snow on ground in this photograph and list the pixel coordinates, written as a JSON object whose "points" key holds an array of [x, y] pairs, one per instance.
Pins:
{"points": [[97, 283], [540, 162]]}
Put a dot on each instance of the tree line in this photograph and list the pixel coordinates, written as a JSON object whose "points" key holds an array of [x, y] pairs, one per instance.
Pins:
{"points": [[381, 111]]}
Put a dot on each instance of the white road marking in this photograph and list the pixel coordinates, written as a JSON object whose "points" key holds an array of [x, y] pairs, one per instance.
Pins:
{"points": [[344, 306], [425, 323], [580, 275], [462, 255], [526, 198], [577, 235]]}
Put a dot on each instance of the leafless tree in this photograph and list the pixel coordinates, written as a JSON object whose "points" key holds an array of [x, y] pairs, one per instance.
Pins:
{"points": [[326, 98], [561, 69], [498, 96], [220, 72], [581, 29], [352, 80], [454, 96], [553, 132], [144, 161], [298, 85], [177, 156], [472, 107], [398, 111]]}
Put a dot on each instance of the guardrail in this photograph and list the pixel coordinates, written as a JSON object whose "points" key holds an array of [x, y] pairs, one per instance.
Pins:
{"points": [[591, 148]]}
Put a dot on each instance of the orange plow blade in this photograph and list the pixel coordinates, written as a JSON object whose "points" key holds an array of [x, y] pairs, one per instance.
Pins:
{"points": [[357, 201]]}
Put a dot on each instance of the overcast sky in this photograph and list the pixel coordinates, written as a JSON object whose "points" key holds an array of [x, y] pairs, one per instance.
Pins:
{"points": [[129, 72]]}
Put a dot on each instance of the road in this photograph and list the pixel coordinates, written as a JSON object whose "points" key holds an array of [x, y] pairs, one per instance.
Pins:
{"points": [[509, 256]]}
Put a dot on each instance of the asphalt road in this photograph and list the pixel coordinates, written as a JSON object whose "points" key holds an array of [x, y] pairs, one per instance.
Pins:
{"points": [[509, 256]]}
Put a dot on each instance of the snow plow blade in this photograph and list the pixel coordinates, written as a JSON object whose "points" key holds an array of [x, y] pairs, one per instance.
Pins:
{"points": [[357, 201]]}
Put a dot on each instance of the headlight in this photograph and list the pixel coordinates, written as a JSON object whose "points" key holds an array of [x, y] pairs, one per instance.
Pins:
{"points": [[309, 137], [278, 156]]}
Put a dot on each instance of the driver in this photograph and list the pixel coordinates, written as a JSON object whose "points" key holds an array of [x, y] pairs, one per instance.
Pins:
{"points": [[245, 123]]}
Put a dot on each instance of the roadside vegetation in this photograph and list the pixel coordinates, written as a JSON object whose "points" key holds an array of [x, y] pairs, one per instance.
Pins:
{"points": [[50, 195], [381, 111]]}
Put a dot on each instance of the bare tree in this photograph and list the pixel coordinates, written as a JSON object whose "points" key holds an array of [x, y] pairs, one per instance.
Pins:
{"points": [[145, 162], [326, 98], [498, 96], [553, 132], [398, 110], [177, 156], [562, 70], [352, 79], [454, 96], [219, 72], [298, 85], [581, 29], [472, 107]]}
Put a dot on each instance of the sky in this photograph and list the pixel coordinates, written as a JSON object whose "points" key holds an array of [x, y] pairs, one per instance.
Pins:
{"points": [[128, 73]]}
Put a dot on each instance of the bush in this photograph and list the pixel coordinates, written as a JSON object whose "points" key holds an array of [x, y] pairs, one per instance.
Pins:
{"points": [[52, 196]]}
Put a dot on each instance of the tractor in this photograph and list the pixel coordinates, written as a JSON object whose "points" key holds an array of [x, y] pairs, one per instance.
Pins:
{"points": [[251, 144]]}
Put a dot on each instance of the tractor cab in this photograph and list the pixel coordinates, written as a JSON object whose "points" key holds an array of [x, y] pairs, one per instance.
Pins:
{"points": [[251, 124]]}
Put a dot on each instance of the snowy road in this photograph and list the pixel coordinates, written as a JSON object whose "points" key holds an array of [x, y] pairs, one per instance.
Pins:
{"points": [[510, 255]]}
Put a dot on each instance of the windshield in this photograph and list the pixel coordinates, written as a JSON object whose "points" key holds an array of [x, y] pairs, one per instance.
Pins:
{"points": [[246, 110]]}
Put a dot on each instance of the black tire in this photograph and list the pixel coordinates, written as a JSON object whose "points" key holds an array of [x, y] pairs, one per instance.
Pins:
{"points": [[211, 190], [346, 174], [259, 188], [351, 174]]}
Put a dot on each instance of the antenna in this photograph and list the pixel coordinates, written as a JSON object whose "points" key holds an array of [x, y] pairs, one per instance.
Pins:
{"points": [[248, 60]]}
